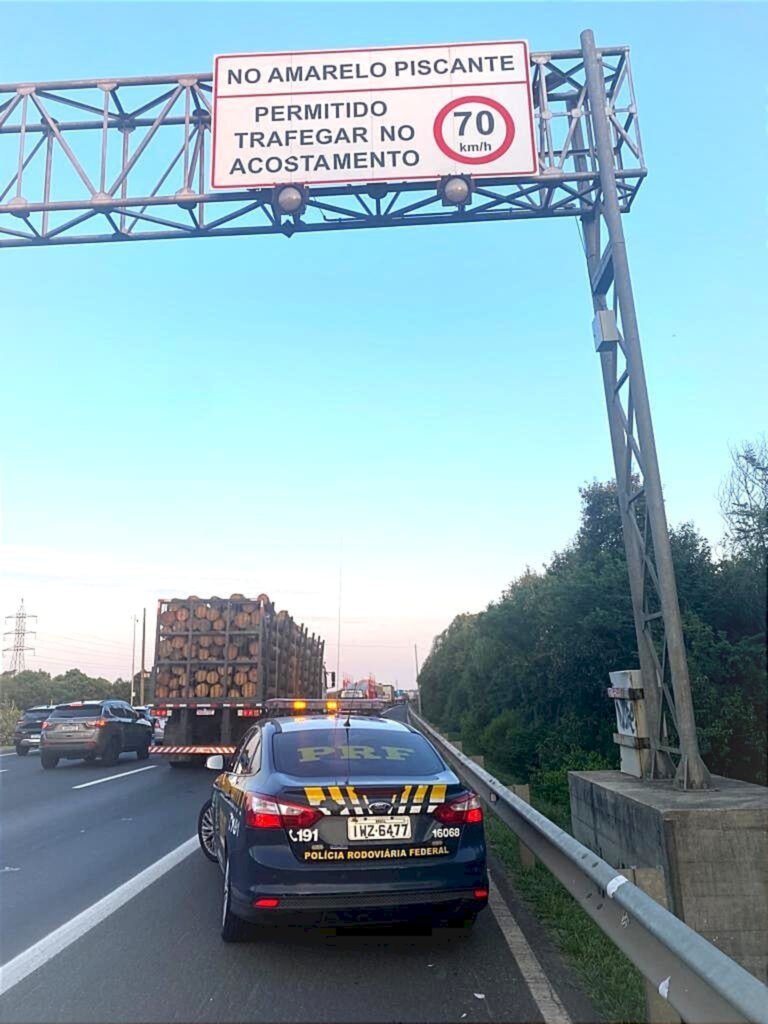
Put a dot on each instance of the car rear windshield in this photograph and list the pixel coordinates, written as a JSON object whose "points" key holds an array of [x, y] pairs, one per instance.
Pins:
{"points": [[353, 753], [34, 713], [79, 712]]}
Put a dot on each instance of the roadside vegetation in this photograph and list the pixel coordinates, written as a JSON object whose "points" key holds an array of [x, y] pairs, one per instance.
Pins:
{"points": [[523, 683]]}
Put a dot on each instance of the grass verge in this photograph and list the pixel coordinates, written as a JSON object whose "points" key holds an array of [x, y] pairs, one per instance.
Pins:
{"points": [[614, 985]]}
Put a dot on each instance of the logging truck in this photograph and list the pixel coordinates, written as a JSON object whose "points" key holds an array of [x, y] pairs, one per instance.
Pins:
{"points": [[217, 660]]}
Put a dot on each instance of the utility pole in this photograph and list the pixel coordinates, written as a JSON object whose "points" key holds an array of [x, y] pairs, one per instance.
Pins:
{"points": [[135, 619], [418, 688], [19, 634], [338, 630], [143, 651]]}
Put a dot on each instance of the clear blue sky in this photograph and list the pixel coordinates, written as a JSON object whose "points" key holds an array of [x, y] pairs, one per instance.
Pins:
{"points": [[421, 405]]}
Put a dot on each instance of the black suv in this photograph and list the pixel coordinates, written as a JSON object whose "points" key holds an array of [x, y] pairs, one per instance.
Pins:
{"points": [[26, 733], [94, 728]]}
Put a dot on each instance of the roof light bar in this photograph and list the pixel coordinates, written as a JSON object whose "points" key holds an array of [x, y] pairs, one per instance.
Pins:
{"points": [[319, 706]]}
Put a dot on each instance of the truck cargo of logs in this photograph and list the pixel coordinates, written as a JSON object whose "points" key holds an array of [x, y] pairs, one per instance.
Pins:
{"points": [[233, 648]]}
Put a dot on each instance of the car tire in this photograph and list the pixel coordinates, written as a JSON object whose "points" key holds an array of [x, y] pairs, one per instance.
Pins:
{"points": [[142, 753], [112, 752], [233, 928], [205, 832], [22, 751], [48, 761]]}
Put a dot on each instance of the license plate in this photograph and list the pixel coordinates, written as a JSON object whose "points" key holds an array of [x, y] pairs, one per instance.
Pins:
{"points": [[360, 830], [206, 711]]}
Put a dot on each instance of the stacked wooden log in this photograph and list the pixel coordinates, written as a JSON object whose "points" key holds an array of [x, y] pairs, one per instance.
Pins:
{"points": [[236, 648]]}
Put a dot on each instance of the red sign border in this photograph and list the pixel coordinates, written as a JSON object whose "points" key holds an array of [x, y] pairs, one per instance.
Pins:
{"points": [[442, 145]]}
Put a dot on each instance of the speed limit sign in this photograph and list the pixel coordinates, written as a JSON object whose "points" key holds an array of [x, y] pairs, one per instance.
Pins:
{"points": [[390, 114], [474, 130]]}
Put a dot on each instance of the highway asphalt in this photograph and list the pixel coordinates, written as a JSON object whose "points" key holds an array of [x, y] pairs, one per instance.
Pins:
{"points": [[158, 955]]}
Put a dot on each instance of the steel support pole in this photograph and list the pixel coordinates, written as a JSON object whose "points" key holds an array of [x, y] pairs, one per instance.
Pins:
{"points": [[691, 773], [133, 661], [661, 765], [143, 653]]}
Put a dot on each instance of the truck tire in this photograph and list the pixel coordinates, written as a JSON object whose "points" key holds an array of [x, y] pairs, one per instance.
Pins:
{"points": [[233, 928]]}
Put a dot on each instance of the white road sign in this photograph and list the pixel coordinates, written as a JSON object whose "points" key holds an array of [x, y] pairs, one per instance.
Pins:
{"points": [[409, 113]]}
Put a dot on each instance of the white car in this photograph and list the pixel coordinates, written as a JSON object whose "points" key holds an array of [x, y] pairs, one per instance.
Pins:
{"points": [[158, 724]]}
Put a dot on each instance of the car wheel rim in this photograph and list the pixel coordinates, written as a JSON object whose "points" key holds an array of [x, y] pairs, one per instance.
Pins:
{"points": [[225, 902], [206, 830]]}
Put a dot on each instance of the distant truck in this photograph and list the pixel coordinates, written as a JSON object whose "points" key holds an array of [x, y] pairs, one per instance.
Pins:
{"points": [[368, 689], [386, 691], [217, 660]]}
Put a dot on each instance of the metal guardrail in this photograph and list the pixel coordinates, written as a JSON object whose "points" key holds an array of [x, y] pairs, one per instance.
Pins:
{"points": [[698, 980]]}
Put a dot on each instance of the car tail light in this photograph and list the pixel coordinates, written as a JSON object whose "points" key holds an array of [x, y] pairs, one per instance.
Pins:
{"points": [[264, 812], [96, 723], [480, 894], [266, 903], [462, 810]]}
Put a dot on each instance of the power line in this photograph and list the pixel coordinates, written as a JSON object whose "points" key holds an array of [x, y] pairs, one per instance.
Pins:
{"points": [[19, 634]]}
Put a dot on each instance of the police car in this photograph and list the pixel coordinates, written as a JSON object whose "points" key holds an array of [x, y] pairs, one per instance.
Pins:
{"points": [[329, 809]]}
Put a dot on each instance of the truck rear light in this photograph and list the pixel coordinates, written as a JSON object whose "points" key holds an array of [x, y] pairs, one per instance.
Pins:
{"points": [[266, 903], [462, 810], [264, 812]]}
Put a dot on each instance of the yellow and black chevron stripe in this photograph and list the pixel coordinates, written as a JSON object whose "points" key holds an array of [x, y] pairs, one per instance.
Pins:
{"points": [[421, 799]]}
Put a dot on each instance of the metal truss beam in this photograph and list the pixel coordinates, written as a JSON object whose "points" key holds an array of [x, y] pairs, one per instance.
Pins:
{"points": [[658, 626], [128, 159]]}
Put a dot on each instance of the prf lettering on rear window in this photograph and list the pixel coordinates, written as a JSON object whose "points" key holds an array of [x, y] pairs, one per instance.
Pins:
{"points": [[355, 752]]}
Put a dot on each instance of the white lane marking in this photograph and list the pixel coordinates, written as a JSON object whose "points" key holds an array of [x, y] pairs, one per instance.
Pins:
{"points": [[108, 778], [11, 753], [3, 770], [545, 997], [36, 956]]}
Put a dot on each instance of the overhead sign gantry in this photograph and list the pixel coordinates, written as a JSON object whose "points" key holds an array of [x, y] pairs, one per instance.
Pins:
{"points": [[121, 160]]}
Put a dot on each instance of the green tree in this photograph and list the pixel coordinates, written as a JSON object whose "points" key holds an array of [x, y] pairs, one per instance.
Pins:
{"points": [[524, 681]]}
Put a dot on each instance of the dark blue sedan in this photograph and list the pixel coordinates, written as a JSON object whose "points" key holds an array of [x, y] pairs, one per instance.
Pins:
{"points": [[344, 817]]}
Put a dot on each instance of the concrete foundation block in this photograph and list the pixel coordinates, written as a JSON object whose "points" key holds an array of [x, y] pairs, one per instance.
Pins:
{"points": [[711, 847]]}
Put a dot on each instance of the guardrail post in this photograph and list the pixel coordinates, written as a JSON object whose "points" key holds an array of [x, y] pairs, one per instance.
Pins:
{"points": [[651, 881], [527, 858]]}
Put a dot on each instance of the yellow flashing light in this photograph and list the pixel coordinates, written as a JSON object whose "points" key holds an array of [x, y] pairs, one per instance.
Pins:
{"points": [[299, 705]]}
